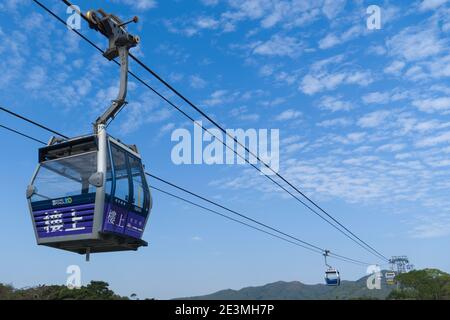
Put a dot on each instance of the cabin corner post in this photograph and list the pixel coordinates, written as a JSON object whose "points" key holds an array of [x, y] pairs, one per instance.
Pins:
{"points": [[102, 167]]}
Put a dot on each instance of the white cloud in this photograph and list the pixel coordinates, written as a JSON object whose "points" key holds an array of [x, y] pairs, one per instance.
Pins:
{"points": [[439, 67], [294, 147], [210, 2], [252, 9], [176, 77], [139, 4], [373, 119], [431, 4], [36, 79], [431, 227], [287, 13], [333, 39], [218, 97], [342, 122], [280, 10], [281, 46], [11, 5], [197, 82], [331, 8], [266, 70], [416, 73], [395, 67], [291, 139], [434, 140], [334, 104], [415, 43], [351, 138], [207, 23], [165, 129], [146, 109], [290, 13], [430, 125], [392, 147], [243, 114], [83, 86], [329, 41], [311, 85], [376, 98], [314, 83], [441, 104], [289, 114], [286, 77], [274, 102], [377, 50], [253, 117], [359, 161]]}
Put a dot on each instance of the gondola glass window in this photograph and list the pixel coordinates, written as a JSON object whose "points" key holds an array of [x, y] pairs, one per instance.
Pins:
{"points": [[138, 183], [121, 174], [65, 177]]}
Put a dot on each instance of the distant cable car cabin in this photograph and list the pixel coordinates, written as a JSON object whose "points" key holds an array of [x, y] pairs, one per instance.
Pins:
{"points": [[390, 277], [332, 276], [89, 194]]}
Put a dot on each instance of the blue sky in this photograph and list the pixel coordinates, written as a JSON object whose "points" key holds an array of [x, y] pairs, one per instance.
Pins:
{"points": [[363, 117]]}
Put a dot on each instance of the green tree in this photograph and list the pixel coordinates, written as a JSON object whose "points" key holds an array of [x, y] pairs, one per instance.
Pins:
{"points": [[96, 290], [427, 284], [6, 292]]}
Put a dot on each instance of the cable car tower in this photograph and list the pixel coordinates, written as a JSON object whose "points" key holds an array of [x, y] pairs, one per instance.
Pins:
{"points": [[401, 263], [89, 194]]}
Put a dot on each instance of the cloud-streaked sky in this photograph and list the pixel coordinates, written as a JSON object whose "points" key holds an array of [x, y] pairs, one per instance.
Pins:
{"points": [[364, 119]]}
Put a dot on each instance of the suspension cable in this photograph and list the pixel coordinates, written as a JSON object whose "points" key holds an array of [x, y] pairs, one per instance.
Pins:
{"points": [[21, 134], [33, 122]]}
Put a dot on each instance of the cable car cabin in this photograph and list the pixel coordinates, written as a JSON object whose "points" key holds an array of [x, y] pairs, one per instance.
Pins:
{"points": [[332, 277], [89, 195], [390, 277]]}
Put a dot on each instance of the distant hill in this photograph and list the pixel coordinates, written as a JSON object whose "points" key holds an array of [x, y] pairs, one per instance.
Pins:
{"points": [[298, 291]]}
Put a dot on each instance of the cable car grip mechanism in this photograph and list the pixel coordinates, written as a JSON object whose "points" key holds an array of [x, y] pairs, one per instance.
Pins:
{"points": [[120, 42]]}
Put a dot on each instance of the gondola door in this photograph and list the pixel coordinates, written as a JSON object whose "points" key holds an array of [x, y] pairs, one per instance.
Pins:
{"points": [[127, 195]]}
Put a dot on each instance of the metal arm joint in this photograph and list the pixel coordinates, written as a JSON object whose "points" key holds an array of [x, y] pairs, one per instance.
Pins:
{"points": [[120, 43]]}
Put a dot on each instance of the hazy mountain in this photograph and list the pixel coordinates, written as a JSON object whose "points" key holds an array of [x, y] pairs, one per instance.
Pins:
{"points": [[298, 291]]}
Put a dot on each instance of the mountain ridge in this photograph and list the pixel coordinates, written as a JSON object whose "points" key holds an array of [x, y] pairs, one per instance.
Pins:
{"points": [[296, 290]]}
